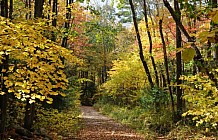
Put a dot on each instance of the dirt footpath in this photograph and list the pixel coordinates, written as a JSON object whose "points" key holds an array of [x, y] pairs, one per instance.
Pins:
{"points": [[99, 127]]}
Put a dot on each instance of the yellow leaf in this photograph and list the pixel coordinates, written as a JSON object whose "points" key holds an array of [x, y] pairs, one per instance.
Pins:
{"points": [[63, 94], [31, 101], [18, 83], [23, 99], [4, 70], [49, 102], [18, 96], [50, 99], [5, 78], [10, 90], [42, 98], [20, 71], [2, 93], [8, 83], [26, 91], [11, 68], [38, 96]]}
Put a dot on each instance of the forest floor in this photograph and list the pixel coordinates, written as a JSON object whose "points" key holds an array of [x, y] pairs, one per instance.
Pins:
{"points": [[96, 126]]}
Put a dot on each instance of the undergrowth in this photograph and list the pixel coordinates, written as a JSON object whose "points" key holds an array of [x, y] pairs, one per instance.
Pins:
{"points": [[59, 123], [150, 124], [135, 118]]}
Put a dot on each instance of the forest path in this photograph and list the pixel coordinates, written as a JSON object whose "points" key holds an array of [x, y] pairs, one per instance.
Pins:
{"points": [[96, 126]]}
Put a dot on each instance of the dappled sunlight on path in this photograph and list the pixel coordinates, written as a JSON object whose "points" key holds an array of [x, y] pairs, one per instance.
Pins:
{"points": [[99, 127]]}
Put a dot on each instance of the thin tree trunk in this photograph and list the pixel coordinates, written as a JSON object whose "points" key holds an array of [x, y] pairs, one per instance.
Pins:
{"points": [[27, 7], [104, 68], [54, 19], [29, 115], [11, 9], [150, 42], [4, 65], [166, 66], [178, 64], [3, 114], [30, 11], [55, 10], [3, 98], [67, 23], [141, 54]]}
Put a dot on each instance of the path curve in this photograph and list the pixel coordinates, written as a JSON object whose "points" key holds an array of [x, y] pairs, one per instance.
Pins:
{"points": [[99, 127]]}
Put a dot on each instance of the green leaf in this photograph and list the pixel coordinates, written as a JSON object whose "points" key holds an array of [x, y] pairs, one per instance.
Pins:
{"points": [[188, 54]]}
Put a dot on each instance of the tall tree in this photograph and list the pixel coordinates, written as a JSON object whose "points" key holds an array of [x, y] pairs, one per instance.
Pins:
{"points": [[178, 62], [140, 45], [150, 42], [166, 64]]}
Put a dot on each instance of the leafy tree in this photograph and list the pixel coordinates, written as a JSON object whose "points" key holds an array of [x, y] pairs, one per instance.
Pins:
{"points": [[32, 64]]}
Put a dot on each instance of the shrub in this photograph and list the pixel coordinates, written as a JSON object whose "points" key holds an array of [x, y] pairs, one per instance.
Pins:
{"points": [[63, 123]]}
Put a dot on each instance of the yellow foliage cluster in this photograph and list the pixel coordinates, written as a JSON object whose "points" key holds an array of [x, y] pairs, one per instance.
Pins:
{"points": [[35, 67], [126, 75], [202, 95]]}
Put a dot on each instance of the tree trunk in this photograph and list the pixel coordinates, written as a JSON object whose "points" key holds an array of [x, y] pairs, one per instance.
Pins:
{"points": [[29, 115], [55, 10], [4, 65], [150, 42], [3, 114], [141, 54], [166, 67], [3, 98], [67, 23], [4, 8], [54, 19], [11, 9], [28, 6], [178, 64], [38, 8]]}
